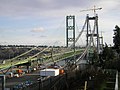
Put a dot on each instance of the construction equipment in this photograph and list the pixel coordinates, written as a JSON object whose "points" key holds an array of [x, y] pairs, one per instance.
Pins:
{"points": [[93, 9]]}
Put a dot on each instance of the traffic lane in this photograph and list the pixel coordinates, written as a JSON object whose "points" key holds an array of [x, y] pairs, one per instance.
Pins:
{"points": [[10, 82]]}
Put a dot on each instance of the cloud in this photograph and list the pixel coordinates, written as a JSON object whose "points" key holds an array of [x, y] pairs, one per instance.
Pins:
{"points": [[51, 8], [26, 8], [108, 5], [39, 29], [48, 13], [43, 36]]}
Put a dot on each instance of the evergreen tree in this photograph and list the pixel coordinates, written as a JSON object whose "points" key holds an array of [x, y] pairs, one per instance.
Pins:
{"points": [[108, 53], [116, 39]]}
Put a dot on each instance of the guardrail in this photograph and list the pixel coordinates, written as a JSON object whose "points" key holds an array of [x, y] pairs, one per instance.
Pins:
{"points": [[116, 82]]}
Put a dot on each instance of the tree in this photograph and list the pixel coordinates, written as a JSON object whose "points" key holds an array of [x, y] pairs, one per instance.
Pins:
{"points": [[116, 39], [108, 53]]}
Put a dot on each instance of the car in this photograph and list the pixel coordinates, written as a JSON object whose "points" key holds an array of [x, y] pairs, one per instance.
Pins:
{"points": [[16, 75], [28, 82], [16, 87]]}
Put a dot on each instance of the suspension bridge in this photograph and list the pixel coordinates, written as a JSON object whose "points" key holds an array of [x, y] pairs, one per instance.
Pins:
{"points": [[66, 52], [70, 49], [70, 53]]}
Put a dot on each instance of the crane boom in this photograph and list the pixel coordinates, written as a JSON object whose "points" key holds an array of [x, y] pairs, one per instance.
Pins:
{"points": [[93, 9]]}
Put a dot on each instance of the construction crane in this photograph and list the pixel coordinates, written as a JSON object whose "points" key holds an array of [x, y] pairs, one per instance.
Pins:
{"points": [[93, 9]]}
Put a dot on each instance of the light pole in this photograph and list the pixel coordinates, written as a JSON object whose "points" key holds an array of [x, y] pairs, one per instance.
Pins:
{"points": [[3, 81], [39, 81]]}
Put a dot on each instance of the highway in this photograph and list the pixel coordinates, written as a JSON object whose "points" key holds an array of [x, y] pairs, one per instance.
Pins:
{"points": [[33, 77], [11, 82]]}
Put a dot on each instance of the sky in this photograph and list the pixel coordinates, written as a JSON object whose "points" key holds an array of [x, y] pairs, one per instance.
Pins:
{"points": [[42, 22]]}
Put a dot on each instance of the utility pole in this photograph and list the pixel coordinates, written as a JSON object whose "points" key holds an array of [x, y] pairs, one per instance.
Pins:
{"points": [[101, 41]]}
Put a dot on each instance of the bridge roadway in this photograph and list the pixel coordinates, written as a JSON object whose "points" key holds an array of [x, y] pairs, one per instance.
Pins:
{"points": [[11, 82], [46, 59]]}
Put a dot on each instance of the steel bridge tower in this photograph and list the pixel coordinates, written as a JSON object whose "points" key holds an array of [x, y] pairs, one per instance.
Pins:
{"points": [[89, 31], [70, 31], [70, 34]]}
